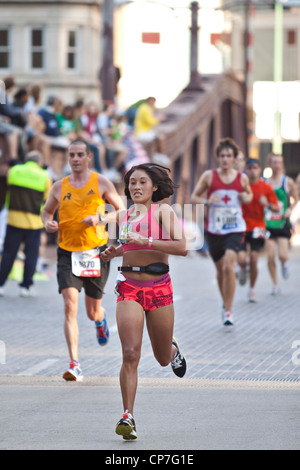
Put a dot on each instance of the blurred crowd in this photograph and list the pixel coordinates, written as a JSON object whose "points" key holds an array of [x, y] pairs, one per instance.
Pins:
{"points": [[116, 137]]}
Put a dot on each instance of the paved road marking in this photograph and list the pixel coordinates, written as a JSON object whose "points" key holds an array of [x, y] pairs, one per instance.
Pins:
{"points": [[39, 367]]}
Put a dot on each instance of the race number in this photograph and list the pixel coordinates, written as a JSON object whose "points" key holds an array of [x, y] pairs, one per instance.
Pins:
{"points": [[86, 263]]}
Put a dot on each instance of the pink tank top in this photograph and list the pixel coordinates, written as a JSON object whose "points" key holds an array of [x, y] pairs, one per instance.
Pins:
{"points": [[148, 226]]}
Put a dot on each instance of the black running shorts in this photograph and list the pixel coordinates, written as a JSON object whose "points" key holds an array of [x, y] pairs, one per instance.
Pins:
{"points": [[93, 286], [256, 244], [284, 232], [219, 244]]}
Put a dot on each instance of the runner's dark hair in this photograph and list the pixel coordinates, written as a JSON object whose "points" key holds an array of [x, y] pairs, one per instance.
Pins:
{"points": [[81, 141], [160, 177], [227, 143]]}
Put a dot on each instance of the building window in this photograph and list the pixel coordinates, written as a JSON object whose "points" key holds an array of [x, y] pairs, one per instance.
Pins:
{"points": [[72, 50], [292, 37], [4, 48], [37, 48]]}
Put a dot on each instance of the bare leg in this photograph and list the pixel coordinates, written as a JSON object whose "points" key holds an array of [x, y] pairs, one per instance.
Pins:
{"points": [[130, 321], [271, 255], [94, 309], [70, 296], [226, 278], [160, 325], [253, 268], [283, 249]]}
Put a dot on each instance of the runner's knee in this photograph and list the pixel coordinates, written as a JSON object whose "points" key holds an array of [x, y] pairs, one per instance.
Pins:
{"points": [[131, 356]]}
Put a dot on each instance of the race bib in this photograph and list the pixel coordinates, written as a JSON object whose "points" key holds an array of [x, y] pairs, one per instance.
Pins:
{"points": [[260, 233], [86, 263], [271, 216], [226, 219]]}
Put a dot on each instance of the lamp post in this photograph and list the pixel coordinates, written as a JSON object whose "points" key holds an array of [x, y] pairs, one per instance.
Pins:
{"points": [[107, 73], [195, 77], [278, 73]]}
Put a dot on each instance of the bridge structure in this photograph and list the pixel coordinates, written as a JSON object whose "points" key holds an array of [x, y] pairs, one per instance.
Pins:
{"points": [[194, 122]]}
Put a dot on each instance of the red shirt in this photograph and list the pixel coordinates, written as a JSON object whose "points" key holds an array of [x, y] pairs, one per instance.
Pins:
{"points": [[254, 213]]}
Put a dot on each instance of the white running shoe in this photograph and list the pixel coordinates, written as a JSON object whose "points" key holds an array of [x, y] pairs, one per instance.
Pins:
{"points": [[74, 373], [179, 363], [275, 290], [242, 276], [126, 427], [227, 318], [24, 292], [252, 297], [285, 270]]}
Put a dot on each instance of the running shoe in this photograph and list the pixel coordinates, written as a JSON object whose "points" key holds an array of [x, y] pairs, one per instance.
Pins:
{"points": [[102, 331], [242, 276], [74, 374], [28, 292], [227, 318], [275, 290], [126, 427], [252, 297], [285, 270], [179, 363]]}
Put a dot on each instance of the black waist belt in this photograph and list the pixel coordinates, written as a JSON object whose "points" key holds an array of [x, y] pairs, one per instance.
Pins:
{"points": [[155, 268]]}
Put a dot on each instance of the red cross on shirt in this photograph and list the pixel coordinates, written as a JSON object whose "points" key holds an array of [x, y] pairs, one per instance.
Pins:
{"points": [[226, 199]]}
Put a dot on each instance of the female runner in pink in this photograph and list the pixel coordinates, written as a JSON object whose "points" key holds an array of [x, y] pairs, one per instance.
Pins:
{"points": [[149, 232]]}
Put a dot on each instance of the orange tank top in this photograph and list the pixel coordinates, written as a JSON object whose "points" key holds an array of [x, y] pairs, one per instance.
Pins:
{"points": [[76, 204]]}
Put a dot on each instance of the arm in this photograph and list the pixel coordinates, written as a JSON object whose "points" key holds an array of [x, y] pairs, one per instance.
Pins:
{"points": [[175, 246], [246, 196], [52, 203], [109, 193], [111, 252], [201, 188], [293, 193], [270, 200]]}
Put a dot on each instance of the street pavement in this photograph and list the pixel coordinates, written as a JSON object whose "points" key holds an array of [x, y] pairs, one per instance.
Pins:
{"points": [[241, 390]]}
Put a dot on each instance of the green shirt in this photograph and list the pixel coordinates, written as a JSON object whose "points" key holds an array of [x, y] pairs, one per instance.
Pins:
{"points": [[277, 220]]}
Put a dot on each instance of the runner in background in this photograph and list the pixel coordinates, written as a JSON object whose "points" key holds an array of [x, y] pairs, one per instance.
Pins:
{"points": [[264, 198], [226, 190], [278, 224], [80, 240]]}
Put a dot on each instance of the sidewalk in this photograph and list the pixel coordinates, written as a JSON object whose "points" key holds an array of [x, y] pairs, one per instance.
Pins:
{"points": [[241, 390]]}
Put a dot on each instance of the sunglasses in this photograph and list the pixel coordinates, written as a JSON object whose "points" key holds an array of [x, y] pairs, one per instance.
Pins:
{"points": [[255, 166]]}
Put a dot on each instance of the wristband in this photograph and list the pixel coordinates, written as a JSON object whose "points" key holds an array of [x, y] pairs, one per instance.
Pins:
{"points": [[101, 218], [150, 241]]}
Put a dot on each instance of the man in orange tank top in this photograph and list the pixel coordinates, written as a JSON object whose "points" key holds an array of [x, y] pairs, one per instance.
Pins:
{"points": [[80, 241], [226, 190]]}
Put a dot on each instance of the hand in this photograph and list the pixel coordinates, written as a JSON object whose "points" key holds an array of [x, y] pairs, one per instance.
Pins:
{"points": [[109, 253], [91, 220], [244, 197], [133, 237], [51, 226], [263, 201], [288, 213], [214, 199]]}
